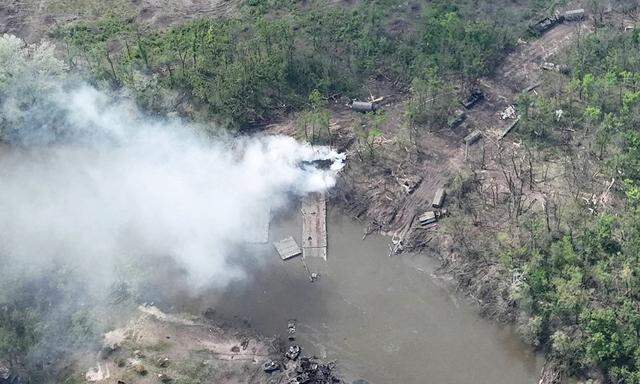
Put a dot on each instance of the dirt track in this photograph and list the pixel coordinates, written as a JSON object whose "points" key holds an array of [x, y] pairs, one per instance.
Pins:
{"points": [[33, 19]]}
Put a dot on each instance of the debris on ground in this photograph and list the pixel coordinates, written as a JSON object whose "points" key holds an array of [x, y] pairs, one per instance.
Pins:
{"points": [[287, 248], [139, 368], [409, 183], [97, 374], [163, 377], [314, 276], [531, 88], [112, 340], [309, 370], [163, 362]]}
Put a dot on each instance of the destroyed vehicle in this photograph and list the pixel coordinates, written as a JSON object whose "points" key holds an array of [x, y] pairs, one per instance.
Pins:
{"points": [[307, 365], [293, 352], [270, 366], [427, 218], [457, 118], [364, 106], [472, 137], [555, 67], [574, 15], [475, 96], [545, 24]]}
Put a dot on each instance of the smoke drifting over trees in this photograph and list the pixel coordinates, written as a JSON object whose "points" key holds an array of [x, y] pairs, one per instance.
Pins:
{"points": [[90, 184]]}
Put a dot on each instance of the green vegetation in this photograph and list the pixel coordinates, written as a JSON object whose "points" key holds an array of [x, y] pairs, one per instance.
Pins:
{"points": [[41, 319], [254, 68], [571, 270]]}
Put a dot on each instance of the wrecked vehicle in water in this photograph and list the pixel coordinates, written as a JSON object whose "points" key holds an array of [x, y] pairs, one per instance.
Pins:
{"points": [[293, 352], [270, 366], [301, 379]]}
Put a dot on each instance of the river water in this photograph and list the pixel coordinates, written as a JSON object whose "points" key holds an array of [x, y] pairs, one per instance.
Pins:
{"points": [[384, 319]]}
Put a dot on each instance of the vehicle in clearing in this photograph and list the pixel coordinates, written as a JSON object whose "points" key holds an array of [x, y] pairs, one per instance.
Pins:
{"points": [[574, 15], [473, 137], [457, 118], [474, 97], [427, 218], [364, 106], [545, 24], [547, 66], [438, 198], [293, 352]]}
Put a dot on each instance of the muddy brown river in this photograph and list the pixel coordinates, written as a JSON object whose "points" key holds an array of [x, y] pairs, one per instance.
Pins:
{"points": [[383, 319]]}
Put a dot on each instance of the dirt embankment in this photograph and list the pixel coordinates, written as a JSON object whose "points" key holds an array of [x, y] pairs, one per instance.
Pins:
{"points": [[157, 347]]}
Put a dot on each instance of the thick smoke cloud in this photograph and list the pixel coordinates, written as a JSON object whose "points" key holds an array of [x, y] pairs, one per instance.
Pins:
{"points": [[88, 181]]}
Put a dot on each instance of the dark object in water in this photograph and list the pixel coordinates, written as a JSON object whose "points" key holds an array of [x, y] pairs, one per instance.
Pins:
{"points": [[301, 379], [270, 366]]}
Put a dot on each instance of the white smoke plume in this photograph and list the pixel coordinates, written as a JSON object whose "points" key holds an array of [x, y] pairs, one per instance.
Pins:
{"points": [[101, 181]]}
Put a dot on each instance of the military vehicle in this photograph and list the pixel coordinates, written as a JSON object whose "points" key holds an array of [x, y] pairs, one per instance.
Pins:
{"points": [[545, 24], [456, 119], [474, 97]]}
